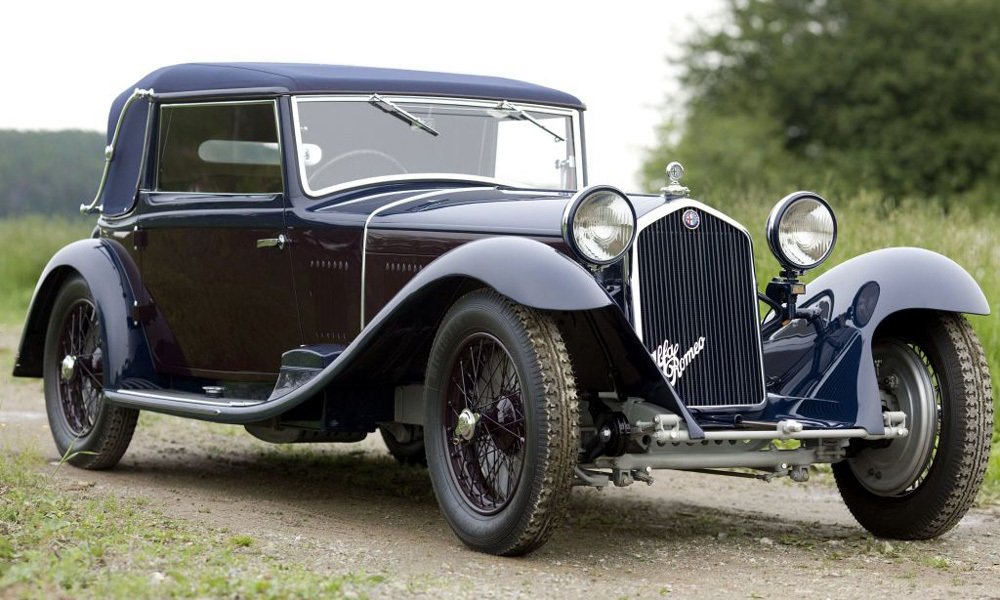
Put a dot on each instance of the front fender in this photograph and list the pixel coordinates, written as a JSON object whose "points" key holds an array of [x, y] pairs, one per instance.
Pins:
{"points": [[524, 270], [393, 345], [108, 271], [907, 278], [830, 358]]}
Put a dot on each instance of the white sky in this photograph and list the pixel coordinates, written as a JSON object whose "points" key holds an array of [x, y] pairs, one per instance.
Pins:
{"points": [[63, 62]]}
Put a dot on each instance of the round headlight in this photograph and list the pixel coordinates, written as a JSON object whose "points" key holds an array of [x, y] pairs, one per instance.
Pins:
{"points": [[599, 224], [801, 231]]}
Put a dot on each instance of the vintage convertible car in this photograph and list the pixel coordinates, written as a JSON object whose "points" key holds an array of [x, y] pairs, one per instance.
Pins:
{"points": [[317, 252]]}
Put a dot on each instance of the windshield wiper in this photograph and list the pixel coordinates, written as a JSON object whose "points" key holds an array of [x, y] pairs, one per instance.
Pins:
{"points": [[390, 107], [524, 116]]}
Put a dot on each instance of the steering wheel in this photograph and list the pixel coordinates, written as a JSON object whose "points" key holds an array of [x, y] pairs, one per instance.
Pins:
{"points": [[355, 154]]}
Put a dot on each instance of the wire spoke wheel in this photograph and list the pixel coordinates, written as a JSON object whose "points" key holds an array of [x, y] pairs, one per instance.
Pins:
{"points": [[88, 432], [487, 457], [81, 376], [501, 423]]}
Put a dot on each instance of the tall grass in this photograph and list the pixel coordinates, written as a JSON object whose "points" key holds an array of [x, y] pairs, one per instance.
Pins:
{"points": [[28, 244]]}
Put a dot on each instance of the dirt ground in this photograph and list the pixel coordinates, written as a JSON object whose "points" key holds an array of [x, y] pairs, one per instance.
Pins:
{"points": [[348, 508]]}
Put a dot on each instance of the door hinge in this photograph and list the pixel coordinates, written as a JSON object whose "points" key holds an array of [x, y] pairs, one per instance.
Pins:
{"points": [[139, 238], [142, 313]]}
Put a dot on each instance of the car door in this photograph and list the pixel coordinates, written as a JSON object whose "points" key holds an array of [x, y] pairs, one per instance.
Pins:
{"points": [[213, 245]]}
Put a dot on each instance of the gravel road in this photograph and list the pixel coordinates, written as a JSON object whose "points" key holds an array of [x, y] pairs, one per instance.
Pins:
{"points": [[349, 508]]}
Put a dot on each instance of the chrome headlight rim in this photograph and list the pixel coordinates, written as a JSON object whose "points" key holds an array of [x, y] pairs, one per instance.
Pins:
{"points": [[569, 217], [772, 230]]}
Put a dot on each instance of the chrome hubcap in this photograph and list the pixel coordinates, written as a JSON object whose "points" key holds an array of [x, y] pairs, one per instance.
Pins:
{"points": [[466, 426], [68, 368], [906, 385]]}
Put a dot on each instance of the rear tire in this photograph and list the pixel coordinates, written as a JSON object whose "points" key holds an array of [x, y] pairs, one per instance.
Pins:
{"points": [[501, 419], [919, 487], [88, 432]]}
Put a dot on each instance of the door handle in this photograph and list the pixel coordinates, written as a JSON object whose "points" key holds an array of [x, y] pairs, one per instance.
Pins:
{"points": [[279, 242]]}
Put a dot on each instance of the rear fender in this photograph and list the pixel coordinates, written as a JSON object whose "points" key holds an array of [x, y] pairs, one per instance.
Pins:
{"points": [[831, 358], [108, 270]]}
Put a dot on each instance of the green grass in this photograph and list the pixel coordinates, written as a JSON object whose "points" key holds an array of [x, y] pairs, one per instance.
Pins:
{"points": [[28, 244], [57, 542], [991, 490]]}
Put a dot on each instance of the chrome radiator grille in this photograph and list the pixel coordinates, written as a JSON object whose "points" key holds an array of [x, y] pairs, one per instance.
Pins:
{"points": [[696, 308]]}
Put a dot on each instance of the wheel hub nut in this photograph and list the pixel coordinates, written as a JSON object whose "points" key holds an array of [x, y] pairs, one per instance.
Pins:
{"points": [[68, 367], [466, 426]]}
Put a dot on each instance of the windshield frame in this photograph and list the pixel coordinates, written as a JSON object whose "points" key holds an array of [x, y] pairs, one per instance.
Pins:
{"points": [[573, 115]]}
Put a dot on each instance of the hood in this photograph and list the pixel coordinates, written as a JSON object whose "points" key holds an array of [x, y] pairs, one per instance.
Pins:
{"points": [[457, 207], [468, 208]]}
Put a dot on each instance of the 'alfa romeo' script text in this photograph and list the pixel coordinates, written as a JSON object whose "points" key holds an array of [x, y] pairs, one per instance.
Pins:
{"points": [[667, 357]]}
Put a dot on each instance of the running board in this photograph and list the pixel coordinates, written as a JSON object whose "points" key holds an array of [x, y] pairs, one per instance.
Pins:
{"points": [[297, 380], [301, 365], [186, 404]]}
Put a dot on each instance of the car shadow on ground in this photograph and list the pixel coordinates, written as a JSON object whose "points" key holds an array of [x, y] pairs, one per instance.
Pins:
{"points": [[360, 490]]}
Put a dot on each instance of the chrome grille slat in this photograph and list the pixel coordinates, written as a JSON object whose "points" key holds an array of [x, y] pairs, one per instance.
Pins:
{"points": [[700, 282]]}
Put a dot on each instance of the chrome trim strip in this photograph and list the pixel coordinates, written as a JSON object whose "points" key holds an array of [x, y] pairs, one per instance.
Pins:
{"points": [[407, 178], [195, 95], [655, 215], [374, 213], [262, 195], [195, 103], [487, 182], [444, 100], [573, 114], [144, 167], [185, 400], [109, 150]]}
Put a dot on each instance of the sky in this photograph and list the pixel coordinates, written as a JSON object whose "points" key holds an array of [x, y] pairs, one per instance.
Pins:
{"points": [[64, 62]]}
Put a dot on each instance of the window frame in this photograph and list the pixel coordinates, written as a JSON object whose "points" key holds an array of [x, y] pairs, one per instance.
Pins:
{"points": [[154, 144], [573, 114]]}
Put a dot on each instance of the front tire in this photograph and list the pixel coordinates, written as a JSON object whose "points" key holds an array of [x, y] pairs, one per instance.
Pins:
{"points": [[502, 429], [88, 432], [931, 366]]}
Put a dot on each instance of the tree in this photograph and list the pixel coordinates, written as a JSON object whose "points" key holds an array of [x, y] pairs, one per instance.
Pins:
{"points": [[896, 95], [50, 172]]}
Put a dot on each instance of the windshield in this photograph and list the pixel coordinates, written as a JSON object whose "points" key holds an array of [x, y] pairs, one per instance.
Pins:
{"points": [[343, 140]]}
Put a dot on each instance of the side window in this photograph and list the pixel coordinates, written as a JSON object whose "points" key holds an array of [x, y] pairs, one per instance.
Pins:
{"points": [[219, 148]]}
